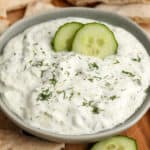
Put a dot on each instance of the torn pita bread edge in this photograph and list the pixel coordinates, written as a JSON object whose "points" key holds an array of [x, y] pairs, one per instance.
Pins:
{"points": [[82, 2], [141, 16], [87, 2], [140, 20], [36, 8], [10, 5], [121, 2], [3, 14], [12, 140], [4, 24]]}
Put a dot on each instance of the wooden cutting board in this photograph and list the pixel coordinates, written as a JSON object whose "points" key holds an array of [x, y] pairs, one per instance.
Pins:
{"points": [[140, 131]]}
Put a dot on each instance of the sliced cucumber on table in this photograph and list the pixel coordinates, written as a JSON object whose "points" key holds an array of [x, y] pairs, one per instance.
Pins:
{"points": [[64, 36], [95, 39], [116, 143]]}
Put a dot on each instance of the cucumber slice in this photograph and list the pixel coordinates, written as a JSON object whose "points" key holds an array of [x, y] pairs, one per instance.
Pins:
{"points": [[64, 36], [95, 39], [116, 143]]}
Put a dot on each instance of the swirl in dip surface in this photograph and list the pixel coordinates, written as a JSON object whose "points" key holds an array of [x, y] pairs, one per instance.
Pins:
{"points": [[69, 93]]}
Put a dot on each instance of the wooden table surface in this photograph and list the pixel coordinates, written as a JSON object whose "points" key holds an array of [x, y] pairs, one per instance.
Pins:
{"points": [[140, 131]]}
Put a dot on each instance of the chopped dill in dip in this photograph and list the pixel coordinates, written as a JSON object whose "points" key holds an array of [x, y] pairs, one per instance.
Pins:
{"points": [[70, 93]]}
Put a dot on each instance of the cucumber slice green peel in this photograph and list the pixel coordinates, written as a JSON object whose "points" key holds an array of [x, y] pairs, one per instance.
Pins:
{"points": [[116, 143], [95, 39], [63, 38]]}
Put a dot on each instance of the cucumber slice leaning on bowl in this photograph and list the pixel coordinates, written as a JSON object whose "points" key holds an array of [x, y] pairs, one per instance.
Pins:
{"points": [[64, 36], [95, 39], [116, 143]]}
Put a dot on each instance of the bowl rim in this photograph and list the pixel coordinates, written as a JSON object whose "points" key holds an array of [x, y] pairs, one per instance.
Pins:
{"points": [[78, 12]]}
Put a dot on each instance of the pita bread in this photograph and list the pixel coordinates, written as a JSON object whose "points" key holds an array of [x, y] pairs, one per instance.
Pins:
{"points": [[83, 2], [4, 23], [138, 12], [11, 137], [37, 8], [9, 5], [86, 2], [11, 140], [3, 14]]}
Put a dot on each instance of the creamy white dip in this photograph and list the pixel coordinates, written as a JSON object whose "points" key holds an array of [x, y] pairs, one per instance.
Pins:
{"points": [[68, 93]]}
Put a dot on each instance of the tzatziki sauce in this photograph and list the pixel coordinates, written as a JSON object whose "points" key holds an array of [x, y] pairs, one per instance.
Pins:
{"points": [[68, 93]]}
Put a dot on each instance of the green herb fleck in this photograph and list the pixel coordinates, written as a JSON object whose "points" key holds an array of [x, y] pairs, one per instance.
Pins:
{"points": [[42, 73], [128, 73], [25, 37], [99, 78], [105, 76], [47, 114], [30, 61], [138, 81], [90, 79], [64, 93], [85, 104], [113, 97], [71, 95], [55, 65], [90, 103], [44, 95], [93, 66], [34, 51], [25, 67], [38, 63], [116, 62], [95, 110], [67, 73], [78, 73], [43, 52], [58, 92], [79, 93], [93, 106], [107, 84], [35, 43], [138, 59], [53, 80]]}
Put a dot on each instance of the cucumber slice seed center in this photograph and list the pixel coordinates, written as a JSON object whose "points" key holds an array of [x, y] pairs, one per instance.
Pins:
{"points": [[100, 42], [94, 45]]}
